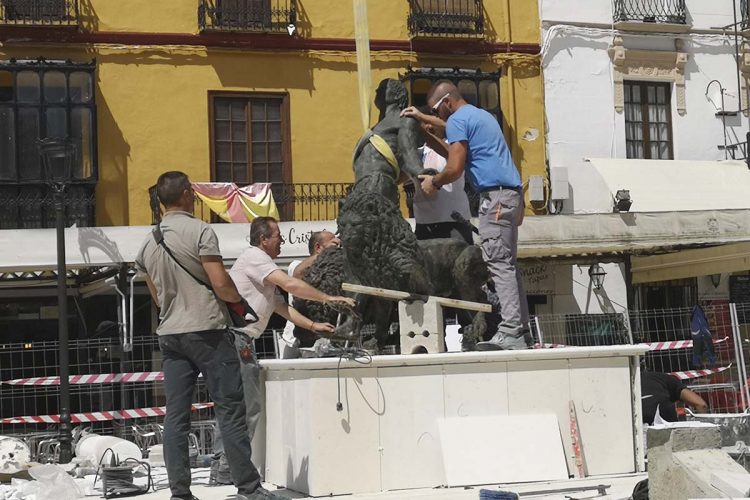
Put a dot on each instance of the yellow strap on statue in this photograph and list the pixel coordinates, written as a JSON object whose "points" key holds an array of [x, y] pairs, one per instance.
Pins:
{"points": [[385, 150]]}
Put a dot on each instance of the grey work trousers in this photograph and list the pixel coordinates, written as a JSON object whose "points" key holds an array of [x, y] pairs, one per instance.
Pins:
{"points": [[212, 353], [500, 214], [250, 374]]}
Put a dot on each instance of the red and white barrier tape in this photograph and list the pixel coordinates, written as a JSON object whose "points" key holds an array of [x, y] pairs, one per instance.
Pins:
{"points": [[676, 344], [652, 346], [99, 416], [101, 378], [686, 375]]}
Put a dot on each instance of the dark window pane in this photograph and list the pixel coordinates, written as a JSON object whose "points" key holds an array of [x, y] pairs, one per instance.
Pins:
{"points": [[258, 112], [274, 131], [274, 151], [7, 144], [55, 87], [259, 153], [221, 131], [489, 95], [238, 111], [28, 86], [276, 172], [57, 122], [259, 132], [221, 109], [274, 110], [28, 154], [80, 90], [223, 151], [81, 131], [469, 92], [239, 131], [6, 86], [240, 173], [223, 171], [260, 172], [239, 152], [636, 91]]}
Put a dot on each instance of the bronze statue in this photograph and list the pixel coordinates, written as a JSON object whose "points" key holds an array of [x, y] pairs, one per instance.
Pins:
{"points": [[389, 151]]}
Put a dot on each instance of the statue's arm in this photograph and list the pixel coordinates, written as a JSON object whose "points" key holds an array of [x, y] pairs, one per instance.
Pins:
{"points": [[409, 140]]}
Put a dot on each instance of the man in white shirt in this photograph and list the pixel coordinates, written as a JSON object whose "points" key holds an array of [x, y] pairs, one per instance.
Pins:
{"points": [[257, 279], [318, 241], [432, 213]]}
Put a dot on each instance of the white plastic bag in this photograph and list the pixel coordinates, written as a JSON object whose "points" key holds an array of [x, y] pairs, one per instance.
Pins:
{"points": [[55, 483]]}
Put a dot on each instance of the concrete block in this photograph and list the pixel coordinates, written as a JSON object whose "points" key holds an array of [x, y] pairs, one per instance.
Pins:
{"points": [[421, 327], [685, 458], [683, 438], [732, 484]]}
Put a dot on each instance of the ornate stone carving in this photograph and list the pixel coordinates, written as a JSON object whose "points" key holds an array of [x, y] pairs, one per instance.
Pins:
{"points": [[648, 65]]}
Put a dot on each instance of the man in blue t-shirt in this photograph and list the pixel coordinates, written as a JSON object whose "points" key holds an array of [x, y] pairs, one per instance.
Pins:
{"points": [[477, 145]]}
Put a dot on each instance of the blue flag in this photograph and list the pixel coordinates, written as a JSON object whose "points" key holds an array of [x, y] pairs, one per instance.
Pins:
{"points": [[703, 344]]}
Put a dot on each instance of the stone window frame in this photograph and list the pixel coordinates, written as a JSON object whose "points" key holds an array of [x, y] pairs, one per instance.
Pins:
{"points": [[648, 65]]}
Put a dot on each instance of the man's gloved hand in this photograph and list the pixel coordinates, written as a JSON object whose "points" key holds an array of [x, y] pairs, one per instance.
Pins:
{"points": [[239, 310]]}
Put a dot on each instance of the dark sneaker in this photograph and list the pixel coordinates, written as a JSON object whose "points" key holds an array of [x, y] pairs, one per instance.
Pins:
{"points": [[501, 342], [261, 494]]}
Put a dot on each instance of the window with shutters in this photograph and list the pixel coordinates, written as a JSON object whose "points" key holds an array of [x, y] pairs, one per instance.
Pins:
{"points": [[250, 140]]}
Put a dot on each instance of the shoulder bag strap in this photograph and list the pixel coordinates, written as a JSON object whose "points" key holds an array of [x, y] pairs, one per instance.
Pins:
{"points": [[159, 238]]}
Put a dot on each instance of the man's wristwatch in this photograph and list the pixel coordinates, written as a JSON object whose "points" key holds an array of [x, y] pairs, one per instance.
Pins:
{"points": [[435, 184]]}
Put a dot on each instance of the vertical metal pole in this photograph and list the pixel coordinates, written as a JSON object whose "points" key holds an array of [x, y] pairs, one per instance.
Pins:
{"points": [[740, 355], [66, 437]]}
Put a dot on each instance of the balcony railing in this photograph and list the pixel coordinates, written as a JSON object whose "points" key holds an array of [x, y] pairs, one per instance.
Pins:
{"points": [[302, 202], [745, 13], [446, 18], [264, 16], [650, 11], [39, 12], [32, 206]]}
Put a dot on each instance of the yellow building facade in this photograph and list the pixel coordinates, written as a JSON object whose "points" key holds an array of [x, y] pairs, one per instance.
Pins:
{"points": [[221, 90]]}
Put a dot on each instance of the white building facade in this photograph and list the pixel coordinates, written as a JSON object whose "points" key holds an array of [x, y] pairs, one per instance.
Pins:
{"points": [[640, 80]]}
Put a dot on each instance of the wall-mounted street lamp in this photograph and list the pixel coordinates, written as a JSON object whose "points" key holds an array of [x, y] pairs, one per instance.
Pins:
{"points": [[715, 279], [58, 156], [596, 275], [622, 200]]}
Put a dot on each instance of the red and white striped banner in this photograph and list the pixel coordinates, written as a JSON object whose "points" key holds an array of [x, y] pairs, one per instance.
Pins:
{"points": [[99, 416], [686, 375], [676, 344], [653, 346], [101, 378], [548, 346]]}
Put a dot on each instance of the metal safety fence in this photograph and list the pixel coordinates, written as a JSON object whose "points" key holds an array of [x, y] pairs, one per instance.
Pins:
{"points": [[119, 392]]}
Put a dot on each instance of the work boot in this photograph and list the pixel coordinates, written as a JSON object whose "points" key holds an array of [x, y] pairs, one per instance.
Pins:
{"points": [[500, 342], [261, 494]]}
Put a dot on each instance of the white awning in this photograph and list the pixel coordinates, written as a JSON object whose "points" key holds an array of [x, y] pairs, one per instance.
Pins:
{"points": [[554, 236], [673, 185], [730, 258]]}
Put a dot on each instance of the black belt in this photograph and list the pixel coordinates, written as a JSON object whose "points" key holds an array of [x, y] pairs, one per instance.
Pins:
{"points": [[499, 188]]}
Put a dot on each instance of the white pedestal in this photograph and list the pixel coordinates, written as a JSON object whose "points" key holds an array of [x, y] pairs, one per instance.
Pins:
{"points": [[387, 436]]}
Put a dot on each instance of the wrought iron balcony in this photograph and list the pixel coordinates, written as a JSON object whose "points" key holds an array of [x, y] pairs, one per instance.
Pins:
{"points": [[263, 16], [446, 18], [39, 12], [650, 11], [32, 206]]}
